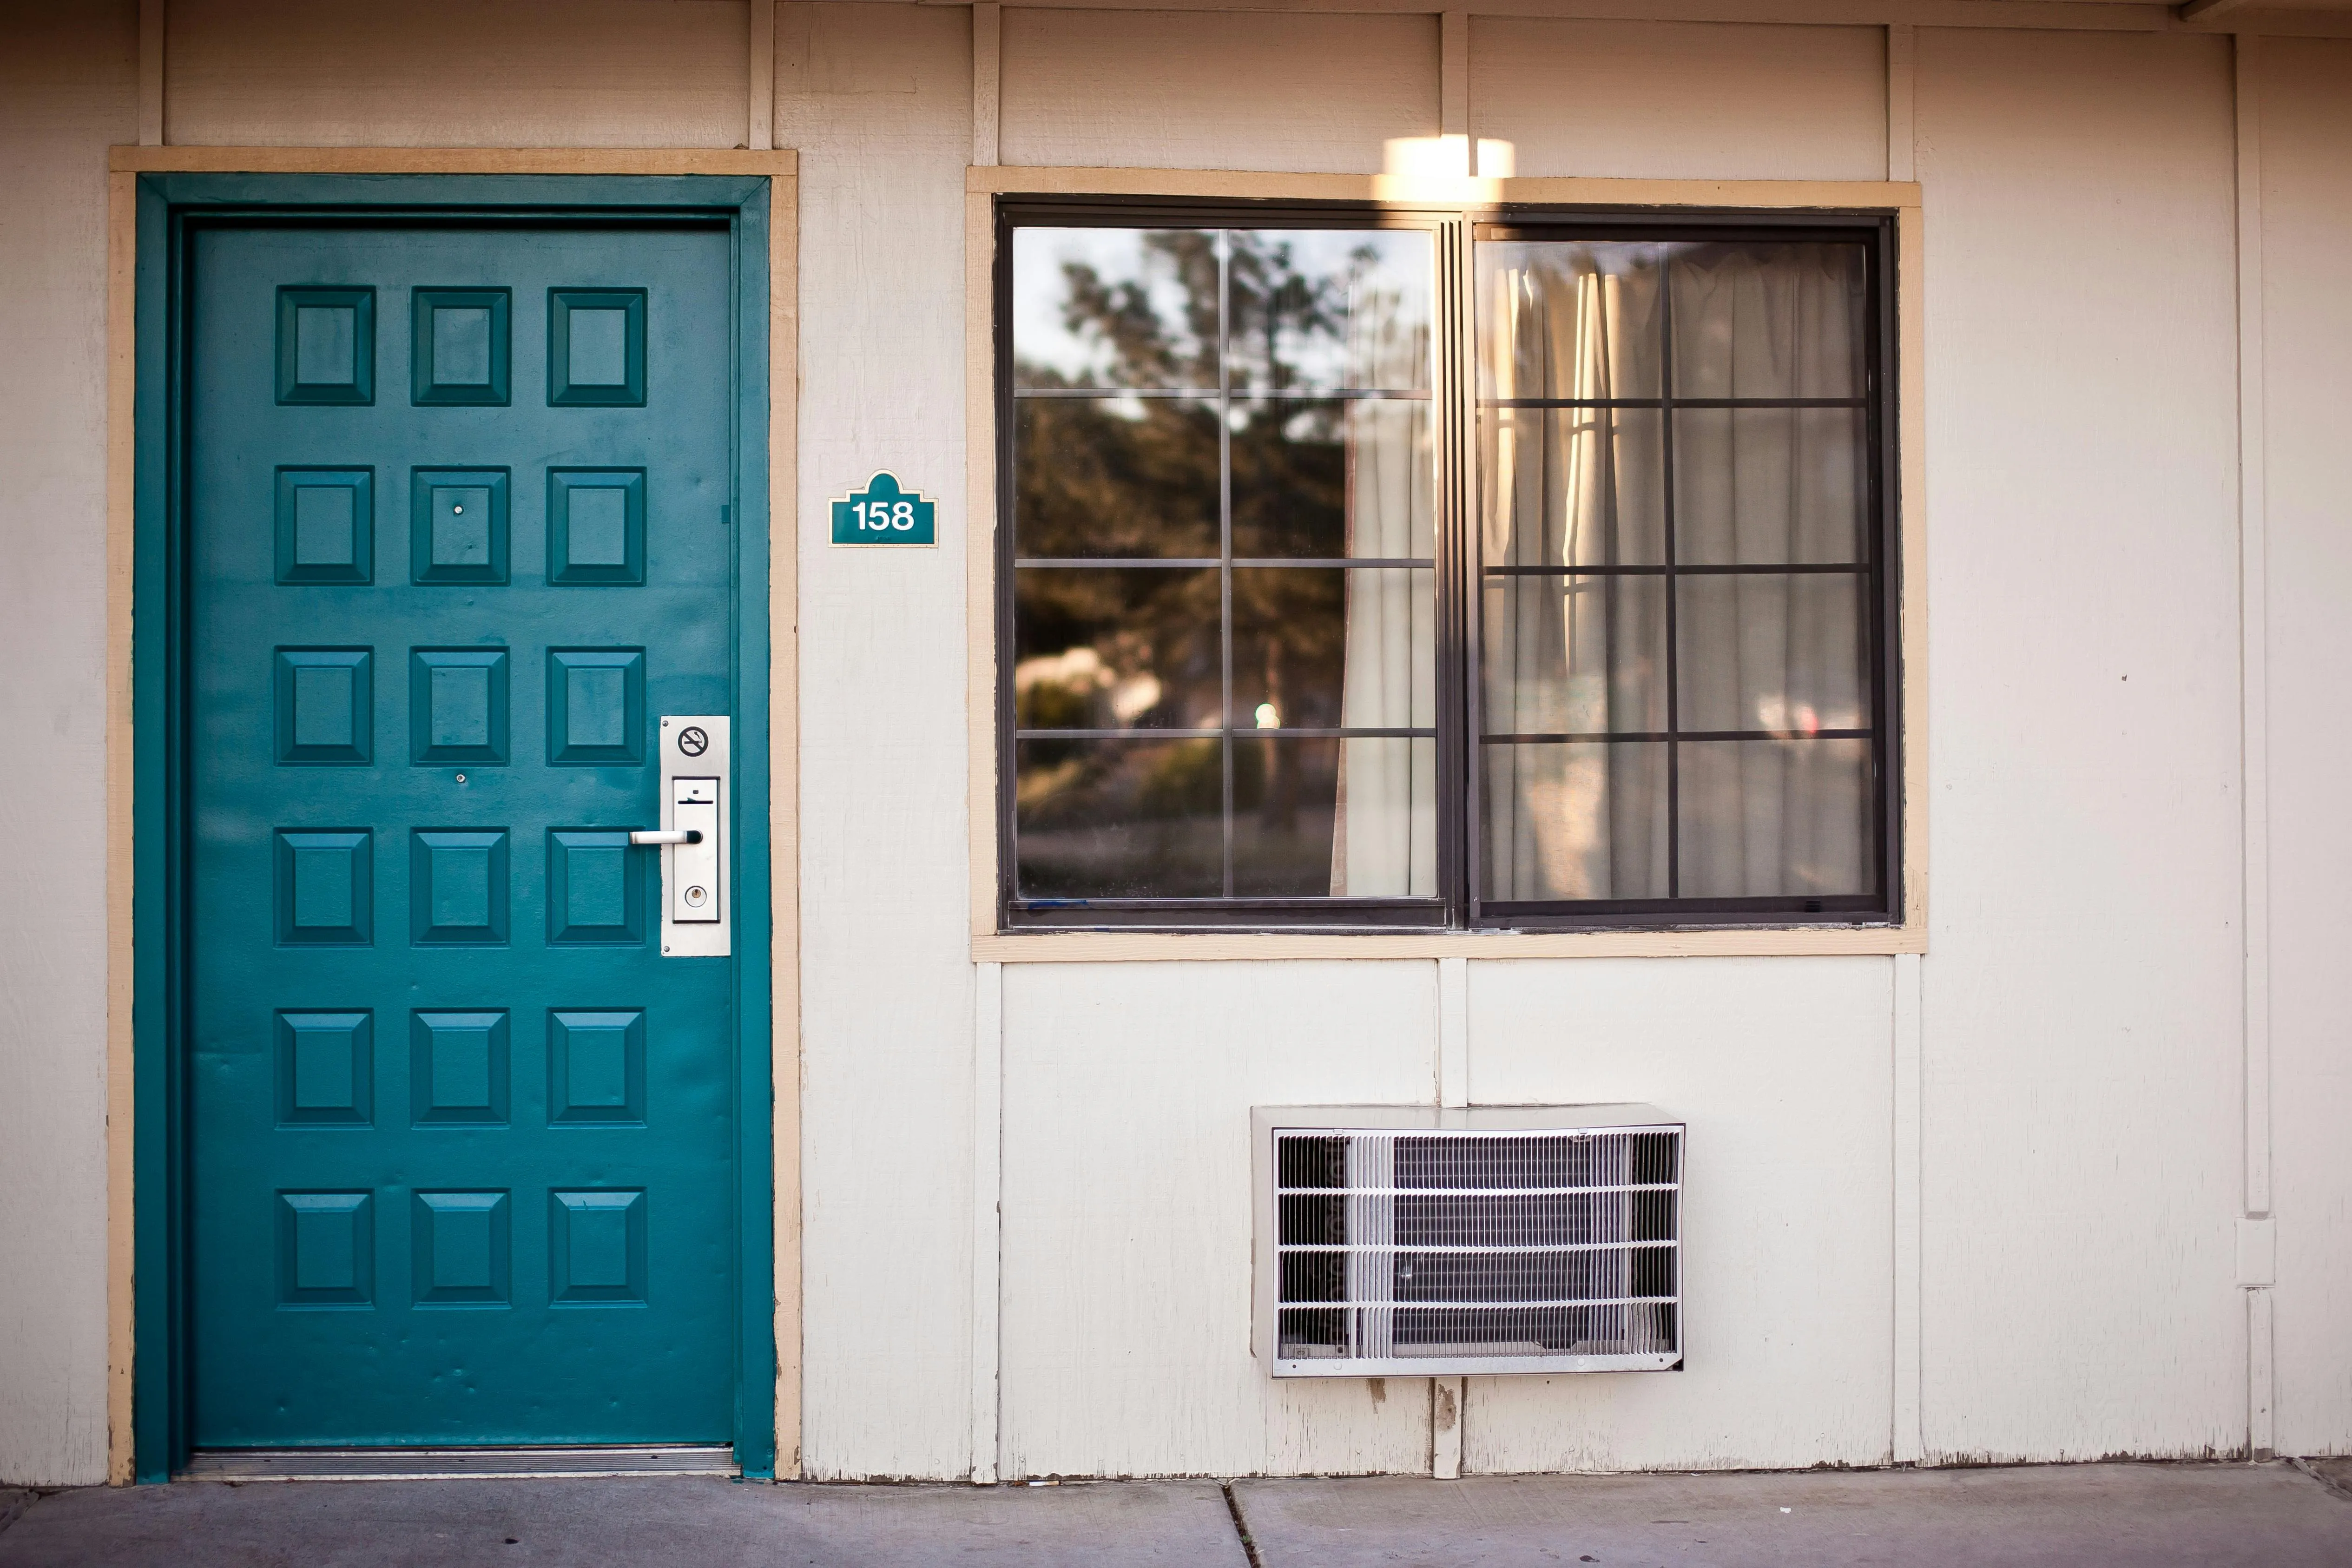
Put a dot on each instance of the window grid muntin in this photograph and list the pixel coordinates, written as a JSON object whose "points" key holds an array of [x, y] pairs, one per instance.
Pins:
{"points": [[1438, 909], [1875, 568]]}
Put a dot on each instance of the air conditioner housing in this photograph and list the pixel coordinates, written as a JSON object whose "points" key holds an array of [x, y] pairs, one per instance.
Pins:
{"points": [[1414, 1241]]}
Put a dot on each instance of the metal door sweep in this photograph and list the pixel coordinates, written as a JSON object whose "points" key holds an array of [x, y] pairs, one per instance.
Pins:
{"points": [[520, 1463]]}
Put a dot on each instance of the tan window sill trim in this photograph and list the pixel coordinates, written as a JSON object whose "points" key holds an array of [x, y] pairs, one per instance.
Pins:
{"points": [[1131, 947]]}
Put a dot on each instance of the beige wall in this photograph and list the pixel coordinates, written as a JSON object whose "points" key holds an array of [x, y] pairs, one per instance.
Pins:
{"points": [[878, 100], [1668, 100], [456, 73], [68, 87], [2306, 196], [1171, 89], [2081, 1023], [2082, 1010]]}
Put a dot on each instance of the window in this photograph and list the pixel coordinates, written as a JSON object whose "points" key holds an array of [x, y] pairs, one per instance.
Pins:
{"points": [[1331, 597]]}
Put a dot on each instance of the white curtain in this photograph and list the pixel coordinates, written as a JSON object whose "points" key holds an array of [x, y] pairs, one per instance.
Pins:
{"points": [[1384, 840], [1586, 655]]}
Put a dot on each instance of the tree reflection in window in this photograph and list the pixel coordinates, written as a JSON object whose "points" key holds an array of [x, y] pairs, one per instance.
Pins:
{"points": [[1222, 602]]}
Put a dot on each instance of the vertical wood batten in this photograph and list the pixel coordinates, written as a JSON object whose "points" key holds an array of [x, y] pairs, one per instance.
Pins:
{"points": [[2254, 568], [1449, 1396], [980, 551], [121, 1149], [784, 784], [151, 73], [1902, 121], [987, 1189], [760, 109], [1453, 85], [987, 80], [1907, 1446]]}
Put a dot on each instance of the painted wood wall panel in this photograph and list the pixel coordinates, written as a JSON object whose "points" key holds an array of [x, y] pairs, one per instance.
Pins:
{"points": [[2306, 193], [1166, 89], [451, 73], [1679, 100], [1782, 1068], [2082, 1052], [1127, 1225], [887, 986], [68, 86]]}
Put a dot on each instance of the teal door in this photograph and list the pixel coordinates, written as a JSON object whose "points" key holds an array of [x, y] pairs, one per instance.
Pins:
{"points": [[461, 1139]]}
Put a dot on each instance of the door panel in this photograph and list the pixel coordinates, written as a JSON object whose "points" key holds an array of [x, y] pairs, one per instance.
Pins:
{"points": [[461, 1139]]}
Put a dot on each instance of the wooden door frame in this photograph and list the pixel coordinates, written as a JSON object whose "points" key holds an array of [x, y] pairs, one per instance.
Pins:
{"points": [[150, 191]]}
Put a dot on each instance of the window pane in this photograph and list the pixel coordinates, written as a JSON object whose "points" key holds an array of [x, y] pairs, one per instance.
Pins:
{"points": [[1321, 647], [1567, 318], [1580, 487], [1333, 818], [1786, 818], [1770, 486], [1112, 648], [1285, 794], [1384, 842], [1768, 320], [1585, 820], [1772, 651], [1575, 656], [1121, 476], [1331, 479], [1321, 308], [1115, 307], [1120, 819]]}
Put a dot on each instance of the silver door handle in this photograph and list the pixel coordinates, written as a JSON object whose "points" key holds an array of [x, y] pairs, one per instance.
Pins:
{"points": [[665, 836]]}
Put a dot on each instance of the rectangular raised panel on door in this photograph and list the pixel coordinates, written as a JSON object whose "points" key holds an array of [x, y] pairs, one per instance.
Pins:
{"points": [[458, 887], [326, 1070], [325, 525], [596, 1254], [457, 705], [596, 706], [325, 706], [596, 526], [459, 346], [595, 347], [324, 888], [459, 1250], [326, 1250], [458, 526], [326, 345], [595, 889], [459, 1070], [596, 1068]]}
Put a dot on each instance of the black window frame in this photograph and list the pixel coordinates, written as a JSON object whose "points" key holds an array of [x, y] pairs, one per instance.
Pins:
{"points": [[1455, 415]]}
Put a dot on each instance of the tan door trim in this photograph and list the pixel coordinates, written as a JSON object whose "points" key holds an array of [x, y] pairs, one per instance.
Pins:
{"points": [[125, 165]]}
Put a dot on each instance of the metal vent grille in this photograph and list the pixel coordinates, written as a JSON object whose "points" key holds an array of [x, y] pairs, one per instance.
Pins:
{"points": [[1464, 1249]]}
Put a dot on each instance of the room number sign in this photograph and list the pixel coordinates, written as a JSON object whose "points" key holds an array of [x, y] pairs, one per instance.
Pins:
{"points": [[885, 513]]}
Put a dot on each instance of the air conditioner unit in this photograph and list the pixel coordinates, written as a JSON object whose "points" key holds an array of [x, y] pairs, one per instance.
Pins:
{"points": [[1410, 1241]]}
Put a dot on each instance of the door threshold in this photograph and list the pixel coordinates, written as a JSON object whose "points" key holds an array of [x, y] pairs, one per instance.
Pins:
{"points": [[516, 1463]]}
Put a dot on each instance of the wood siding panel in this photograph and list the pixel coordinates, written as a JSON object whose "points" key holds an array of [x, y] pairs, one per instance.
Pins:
{"points": [[69, 86], [1127, 1222], [1680, 101], [2082, 1053], [877, 100], [2306, 196], [1782, 1070], [447, 73], [1164, 89]]}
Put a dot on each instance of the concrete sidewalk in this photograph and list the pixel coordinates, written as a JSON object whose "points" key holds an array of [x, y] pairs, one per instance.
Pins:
{"points": [[2129, 1516]]}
